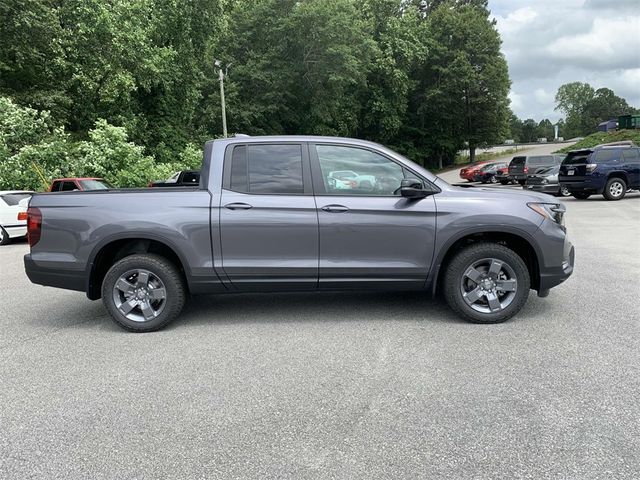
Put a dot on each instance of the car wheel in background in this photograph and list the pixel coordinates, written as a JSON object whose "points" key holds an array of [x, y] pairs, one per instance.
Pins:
{"points": [[522, 182], [493, 179], [581, 195], [4, 236], [486, 283], [504, 182], [143, 292], [615, 189], [564, 192]]}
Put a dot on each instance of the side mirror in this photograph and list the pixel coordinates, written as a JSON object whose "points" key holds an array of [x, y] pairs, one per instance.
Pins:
{"points": [[413, 188]]}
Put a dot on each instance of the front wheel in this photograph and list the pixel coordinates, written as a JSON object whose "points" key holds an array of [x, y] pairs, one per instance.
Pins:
{"points": [[486, 283], [143, 292], [564, 192], [615, 189]]}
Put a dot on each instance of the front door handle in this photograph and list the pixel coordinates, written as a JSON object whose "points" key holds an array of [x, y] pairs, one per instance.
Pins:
{"points": [[335, 208], [238, 206]]}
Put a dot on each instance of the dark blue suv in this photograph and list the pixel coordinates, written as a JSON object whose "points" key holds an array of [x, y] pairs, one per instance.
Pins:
{"points": [[609, 169]]}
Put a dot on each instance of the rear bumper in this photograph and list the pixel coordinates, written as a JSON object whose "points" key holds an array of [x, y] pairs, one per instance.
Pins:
{"points": [[16, 231], [582, 185], [67, 279]]}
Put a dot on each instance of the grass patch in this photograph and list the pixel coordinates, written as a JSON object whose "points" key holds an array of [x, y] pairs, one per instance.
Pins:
{"points": [[604, 137]]}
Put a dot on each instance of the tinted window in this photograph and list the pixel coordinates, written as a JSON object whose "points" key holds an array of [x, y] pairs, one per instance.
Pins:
{"points": [[13, 198], [606, 155], [355, 171], [191, 177], [68, 186], [574, 158], [517, 161], [537, 161], [267, 169], [632, 154]]}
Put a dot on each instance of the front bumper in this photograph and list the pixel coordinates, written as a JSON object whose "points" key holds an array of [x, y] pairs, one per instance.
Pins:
{"points": [[49, 277], [554, 276]]}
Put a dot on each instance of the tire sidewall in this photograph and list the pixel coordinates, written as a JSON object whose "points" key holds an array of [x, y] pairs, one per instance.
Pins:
{"points": [[4, 236], [610, 182], [165, 271], [468, 256]]}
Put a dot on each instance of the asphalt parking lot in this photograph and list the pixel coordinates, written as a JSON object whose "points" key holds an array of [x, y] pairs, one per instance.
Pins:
{"points": [[333, 385]]}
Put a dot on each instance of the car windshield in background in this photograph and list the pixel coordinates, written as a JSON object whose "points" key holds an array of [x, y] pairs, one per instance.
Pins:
{"points": [[95, 185], [12, 199], [576, 158]]}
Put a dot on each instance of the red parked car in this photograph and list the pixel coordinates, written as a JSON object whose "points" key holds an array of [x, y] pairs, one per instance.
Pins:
{"points": [[70, 184], [467, 173]]}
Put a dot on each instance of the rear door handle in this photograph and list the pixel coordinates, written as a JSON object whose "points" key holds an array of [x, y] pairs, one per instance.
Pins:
{"points": [[335, 208], [238, 206]]}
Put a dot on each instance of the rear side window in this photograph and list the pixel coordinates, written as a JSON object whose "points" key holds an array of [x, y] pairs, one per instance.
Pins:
{"points": [[606, 155], [267, 169], [632, 154], [542, 160], [68, 186], [12, 199]]}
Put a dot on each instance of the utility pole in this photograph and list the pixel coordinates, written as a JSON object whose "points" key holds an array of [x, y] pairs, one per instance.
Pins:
{"points": [[221, 75]]}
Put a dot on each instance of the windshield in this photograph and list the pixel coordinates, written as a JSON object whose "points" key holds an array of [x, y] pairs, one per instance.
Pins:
{"points": [[95, 184], [12, 199]]}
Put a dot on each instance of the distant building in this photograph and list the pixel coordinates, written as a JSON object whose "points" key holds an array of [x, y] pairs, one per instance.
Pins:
{"points": [[608, 126], [629, 121]]}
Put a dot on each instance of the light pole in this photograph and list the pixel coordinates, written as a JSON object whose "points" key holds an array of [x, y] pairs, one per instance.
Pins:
{"points": [[218, 66]]}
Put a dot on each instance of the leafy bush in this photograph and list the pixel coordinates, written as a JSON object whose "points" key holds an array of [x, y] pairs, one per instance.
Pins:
{"points": [[604, 137], [33, 152]]}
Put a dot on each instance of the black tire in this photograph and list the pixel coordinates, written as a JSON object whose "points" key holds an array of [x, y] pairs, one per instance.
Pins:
{"points": [[455, 276], [164, 271], [504, 182], [4, 237], [615, 189], [581, 195], [522, 182]]}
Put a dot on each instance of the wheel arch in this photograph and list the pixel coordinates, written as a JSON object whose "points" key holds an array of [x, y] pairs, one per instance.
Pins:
{"points": [[109, 251], [519, 241], [621, 174]]}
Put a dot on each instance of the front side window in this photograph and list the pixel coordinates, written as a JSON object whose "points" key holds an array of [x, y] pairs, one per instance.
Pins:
{"points": [[355, 171], [267, 169]]}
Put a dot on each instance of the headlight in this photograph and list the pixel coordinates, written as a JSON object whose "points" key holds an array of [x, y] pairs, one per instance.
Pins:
{"points": [[552, 211], [544, 180]]}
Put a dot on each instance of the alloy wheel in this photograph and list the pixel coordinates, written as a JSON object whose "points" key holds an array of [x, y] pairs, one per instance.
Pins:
{"points": [[616, 189], [139, 295], [489, 285]]}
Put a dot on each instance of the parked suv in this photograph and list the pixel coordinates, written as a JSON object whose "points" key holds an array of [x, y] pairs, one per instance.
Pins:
{"points": [[609, 170], [524, 165]]}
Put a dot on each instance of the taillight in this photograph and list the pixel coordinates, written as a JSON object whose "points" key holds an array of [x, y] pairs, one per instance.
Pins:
{"points": [[22, 216], [591, 167], [34, 225], [526, 169]]}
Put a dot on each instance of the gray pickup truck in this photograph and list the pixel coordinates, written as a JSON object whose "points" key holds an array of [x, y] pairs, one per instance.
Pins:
{"points": [[268, 215]]}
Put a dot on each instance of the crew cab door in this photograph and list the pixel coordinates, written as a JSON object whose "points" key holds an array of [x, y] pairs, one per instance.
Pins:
{"points": [[370, 236], [268, 219]]}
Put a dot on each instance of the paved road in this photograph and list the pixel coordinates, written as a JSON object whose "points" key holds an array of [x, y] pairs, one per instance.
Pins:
{"points": [[333, 386], [452, 176]]}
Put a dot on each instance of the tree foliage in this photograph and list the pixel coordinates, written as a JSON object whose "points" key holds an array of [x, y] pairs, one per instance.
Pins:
{"points": [[93, 80]]}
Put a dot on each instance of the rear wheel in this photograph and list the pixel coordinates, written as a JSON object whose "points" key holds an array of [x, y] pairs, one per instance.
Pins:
{"points": [[486, 283], [143, 292], [504, 182], [581, 195], [615, 189], [4, 236], [493, 179]]}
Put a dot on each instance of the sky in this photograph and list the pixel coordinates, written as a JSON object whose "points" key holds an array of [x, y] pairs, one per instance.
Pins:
{"points": [[551, 42]]}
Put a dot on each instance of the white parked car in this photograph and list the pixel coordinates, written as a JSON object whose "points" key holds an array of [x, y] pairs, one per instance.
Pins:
{"points": [[13, 202]]}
